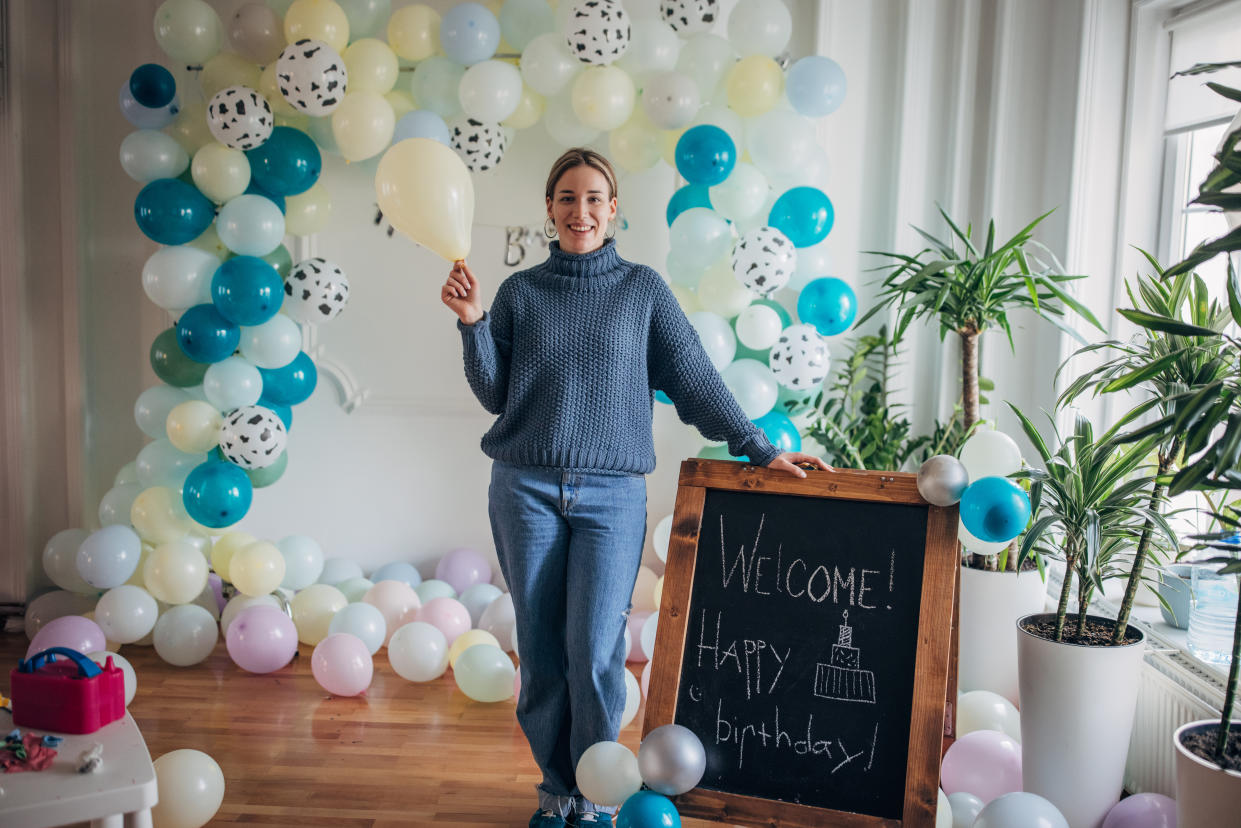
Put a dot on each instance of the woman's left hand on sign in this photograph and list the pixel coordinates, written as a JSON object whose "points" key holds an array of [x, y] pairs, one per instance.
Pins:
{"points": [[787, 462]]}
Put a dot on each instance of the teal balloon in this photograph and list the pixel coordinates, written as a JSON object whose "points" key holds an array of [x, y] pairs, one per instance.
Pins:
{"points": [[284, 412], [804, 214], [829, 304], [292, 384], [995, 509], [152, 85], [169, 211], [171, 364], [815, 86], [780, 430], [705, 155], [647, 809], [255, 189], [247, 290], [217, 494], [268, 474], [691, 195], [205, 335], [661, 397], [287, 163]]}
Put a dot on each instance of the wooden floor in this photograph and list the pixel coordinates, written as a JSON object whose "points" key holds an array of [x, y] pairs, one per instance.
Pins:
{"points": [[402, 754]]}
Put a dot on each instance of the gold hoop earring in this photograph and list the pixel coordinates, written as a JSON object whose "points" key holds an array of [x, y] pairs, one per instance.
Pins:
{"points": [[549, 228], [610, 233]]}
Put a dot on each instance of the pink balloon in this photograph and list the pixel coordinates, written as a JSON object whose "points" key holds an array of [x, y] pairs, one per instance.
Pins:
{"points": [[448, 615], [985, 763], [462, 568], [636, 619], [261, 639], [342, 665], [1144, 810], [72, 631], [646, 679]]}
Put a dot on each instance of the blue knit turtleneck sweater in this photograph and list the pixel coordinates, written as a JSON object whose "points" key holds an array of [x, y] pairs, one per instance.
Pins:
{"points": [[570, 357]]}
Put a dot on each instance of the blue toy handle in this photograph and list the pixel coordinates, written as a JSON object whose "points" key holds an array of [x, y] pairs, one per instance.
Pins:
{"points": [[86, 667]]}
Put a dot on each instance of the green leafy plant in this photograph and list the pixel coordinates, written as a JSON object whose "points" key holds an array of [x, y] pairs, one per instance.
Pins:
{"points": [[974, 289], [859, 425], [1165, 365], [1088, 505]]}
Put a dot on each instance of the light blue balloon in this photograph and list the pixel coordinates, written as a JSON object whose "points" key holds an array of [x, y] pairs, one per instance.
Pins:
{"points": [[355, 589], [303, 561], [421, 123], [336, 570], [815, 86], [521, 21], [469, 33], [367, 18], [163, 464], [435, 83], [152, 407], [232, 383], [148, 154], [402, 571], [146, 117], [362, 620], [109, 556], [250, 225], [432, 588], [477, 598]]}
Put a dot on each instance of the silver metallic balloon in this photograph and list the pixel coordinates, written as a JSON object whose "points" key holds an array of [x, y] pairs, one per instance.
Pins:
{"points": [[671, 760], [942, 480]]}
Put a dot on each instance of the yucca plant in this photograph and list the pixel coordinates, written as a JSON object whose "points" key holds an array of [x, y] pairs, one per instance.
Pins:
{"points": [[974, 289], [1089, 503], [1166, 366]]}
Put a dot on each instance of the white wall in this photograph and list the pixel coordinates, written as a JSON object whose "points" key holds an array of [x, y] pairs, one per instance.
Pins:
{"points": [[966, 103]]}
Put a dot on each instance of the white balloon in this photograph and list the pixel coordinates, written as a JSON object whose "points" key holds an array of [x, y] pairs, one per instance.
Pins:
{"points": [[418, 651], [477, 598], [763, 260], [758, 327], [717, 337], [705, 57], [239, 117], [60, 560], [607, 773], [780, 142], [547, 66], [653, 47], [965, 809], [148, 155], [311, 75], [179, 277], [490, 90], [56, 604], [670, 100], [254, 437], [633, 698], [128, 676], [563, 125], [500, 620], [990, 453], [661, 537], [943, 811], [800, 360], [977, 545], [760, 27], [648, 636], [126, 613], [152, 407], [185, 635], [742, 195], [985, 710], [597, 31]]}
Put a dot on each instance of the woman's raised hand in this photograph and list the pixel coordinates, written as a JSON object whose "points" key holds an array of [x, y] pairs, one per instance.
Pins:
{"points": [[461, 294]]}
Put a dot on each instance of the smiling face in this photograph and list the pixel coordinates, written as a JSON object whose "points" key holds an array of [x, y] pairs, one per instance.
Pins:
{"points": [[581, 205]]}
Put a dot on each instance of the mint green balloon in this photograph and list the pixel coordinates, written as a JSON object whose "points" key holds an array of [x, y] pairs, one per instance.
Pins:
{"points": [[435, 85], [270, 474], [485, 673], [715, 453], [700, 237], [163, 464], [189, 31], [281, 260]]}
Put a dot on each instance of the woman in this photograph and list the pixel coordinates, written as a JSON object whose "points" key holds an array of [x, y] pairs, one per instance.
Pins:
{"points": [[569, 358]]}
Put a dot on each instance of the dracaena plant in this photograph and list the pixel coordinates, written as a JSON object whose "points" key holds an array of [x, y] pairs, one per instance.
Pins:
{"points": [[1166, 366], [1228, 541], [1088, 505]]}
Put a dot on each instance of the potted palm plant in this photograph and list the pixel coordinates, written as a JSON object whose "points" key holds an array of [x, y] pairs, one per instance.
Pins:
{"points": [[1078, 687]]}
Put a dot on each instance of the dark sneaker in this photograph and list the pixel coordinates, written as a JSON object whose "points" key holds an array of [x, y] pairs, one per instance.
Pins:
{"points": [[547, 819], [594, 818]]}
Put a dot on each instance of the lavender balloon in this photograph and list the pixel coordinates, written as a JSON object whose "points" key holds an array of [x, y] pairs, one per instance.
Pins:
{"points": [[71, 631], [462, 568], [342, 665], [986, 763], [261, 639], [1144, 810]]}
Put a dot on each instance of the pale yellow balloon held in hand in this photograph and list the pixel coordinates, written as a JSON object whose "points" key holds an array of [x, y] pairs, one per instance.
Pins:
{"points": [[425, 192]]}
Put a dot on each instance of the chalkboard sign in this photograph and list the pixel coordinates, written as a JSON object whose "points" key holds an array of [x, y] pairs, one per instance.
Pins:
{"points": [[804, 636]]}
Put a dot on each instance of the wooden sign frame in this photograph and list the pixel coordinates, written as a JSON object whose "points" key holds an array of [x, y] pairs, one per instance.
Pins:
{"points": [[934, 650]]}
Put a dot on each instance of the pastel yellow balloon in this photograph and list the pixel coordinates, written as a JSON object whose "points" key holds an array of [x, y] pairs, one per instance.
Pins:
{"points": [[317, 20], [414, 32], [402, 102], [529, 110], [636, 145], [175, 572], [194, 426], [468, 639], [257, 568], [362, 125], [425, 191], [668, 145], [225, 547], [307, 213], [685, 298], [603, 97], [209, 242], [372, 65], [659, 591], [720, 292], [190, 128], [138, 579], [220, 172], [754, 85], [313, 609], [228, 69], [158, 516], [270, 90]]}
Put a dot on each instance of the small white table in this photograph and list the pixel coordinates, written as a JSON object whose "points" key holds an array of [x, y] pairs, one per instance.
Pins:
{"points": [[118, 795]]}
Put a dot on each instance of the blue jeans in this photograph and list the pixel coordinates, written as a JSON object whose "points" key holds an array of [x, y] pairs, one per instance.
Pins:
{"points": [[570, 544]]}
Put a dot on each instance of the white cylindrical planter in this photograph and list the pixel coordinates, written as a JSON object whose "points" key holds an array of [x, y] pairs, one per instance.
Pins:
{"points": [[1077, 706], [991, 603], [1206, 795]]}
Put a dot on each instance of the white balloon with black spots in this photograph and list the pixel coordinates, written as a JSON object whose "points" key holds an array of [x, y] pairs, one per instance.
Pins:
{"points": [[316, 291], [240, 117], [253, 437], [481, 145], [800, 358], [597, 31], [311, 76], [764, 260], [689, 16]]}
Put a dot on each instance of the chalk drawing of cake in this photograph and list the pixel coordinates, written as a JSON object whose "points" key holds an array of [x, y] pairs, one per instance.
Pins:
{"points": [[844, 679]]}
